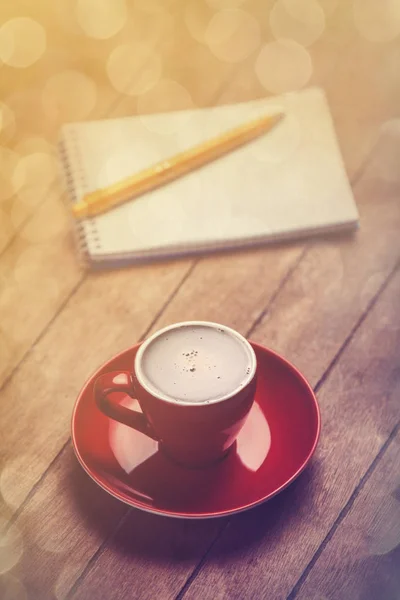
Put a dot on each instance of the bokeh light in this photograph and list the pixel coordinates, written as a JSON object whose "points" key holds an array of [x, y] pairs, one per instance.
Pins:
{"points": [[328, 6], [6, 229], [232, 35], [283, 66], [377, 21], [22, 42], [9, 161], [197, 16], [69, 96], [101, 19], [220, 4], [151, 6], [5, 346], [66, 17], [32, 268], [383, 533], [7, 123], [66, 578], [46, 537], [300, 20], [134, 68], [38, 169], [29, 264], [26, 104], [11, 546], [33, 178], [167, 95], [12, 588], [11, 488], [40, 230], [153, 23], [34, 144]]}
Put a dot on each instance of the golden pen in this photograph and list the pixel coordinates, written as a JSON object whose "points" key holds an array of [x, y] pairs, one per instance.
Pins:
{"points": [[106, 198]]}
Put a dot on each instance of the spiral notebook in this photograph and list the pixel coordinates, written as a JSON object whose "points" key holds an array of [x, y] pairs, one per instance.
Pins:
{"points": [[287, 183]]}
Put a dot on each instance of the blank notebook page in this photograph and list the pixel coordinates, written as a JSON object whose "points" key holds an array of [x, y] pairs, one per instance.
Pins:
{"points": [[289, 181]]}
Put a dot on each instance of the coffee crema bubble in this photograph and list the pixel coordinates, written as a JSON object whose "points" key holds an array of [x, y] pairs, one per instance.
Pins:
{"points": [[196, 363]]}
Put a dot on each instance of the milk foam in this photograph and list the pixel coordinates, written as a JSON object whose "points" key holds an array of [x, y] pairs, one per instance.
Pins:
{"points": [[196, 363]]}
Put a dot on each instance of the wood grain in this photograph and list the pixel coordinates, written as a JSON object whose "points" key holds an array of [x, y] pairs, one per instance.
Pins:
{"points": [[309, 306], [67, 492], [41, 263], [47, 430], [203, 76], [148, 538], [145, 291], [361, 559], [253, 552], [337, 279], [214, 285], [98, 321], [35, 287]]}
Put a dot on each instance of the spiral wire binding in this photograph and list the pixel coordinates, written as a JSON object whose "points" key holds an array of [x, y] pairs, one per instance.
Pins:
{"points": [[73, 174]]}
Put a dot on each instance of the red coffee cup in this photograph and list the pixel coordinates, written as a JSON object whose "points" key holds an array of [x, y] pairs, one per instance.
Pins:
{"points": [[193, 433]]}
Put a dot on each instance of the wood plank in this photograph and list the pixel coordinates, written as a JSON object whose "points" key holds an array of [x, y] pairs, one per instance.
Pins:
{"points": [[44, 538], [247, 559], [226, 289], [336, 280], [362, 560], [48, 429], [41, 264], [98, 321], [213, 287], [69, 543], [37, 278], [244, 91]]}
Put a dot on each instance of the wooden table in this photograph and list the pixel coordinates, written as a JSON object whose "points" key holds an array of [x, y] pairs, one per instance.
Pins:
{"points": [[331, 306]]}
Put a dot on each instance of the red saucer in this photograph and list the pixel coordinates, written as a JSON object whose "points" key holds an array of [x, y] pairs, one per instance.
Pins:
{"points": [[274, 446]]}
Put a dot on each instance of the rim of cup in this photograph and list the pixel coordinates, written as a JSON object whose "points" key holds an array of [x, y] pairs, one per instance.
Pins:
{"points": [[144, 345]]}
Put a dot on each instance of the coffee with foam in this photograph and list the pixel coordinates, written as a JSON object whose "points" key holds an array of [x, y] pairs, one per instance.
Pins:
{"points": [[196, 362]]}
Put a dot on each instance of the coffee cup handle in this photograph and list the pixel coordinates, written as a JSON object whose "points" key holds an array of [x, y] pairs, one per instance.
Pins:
{"points": [[120, 381]]}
